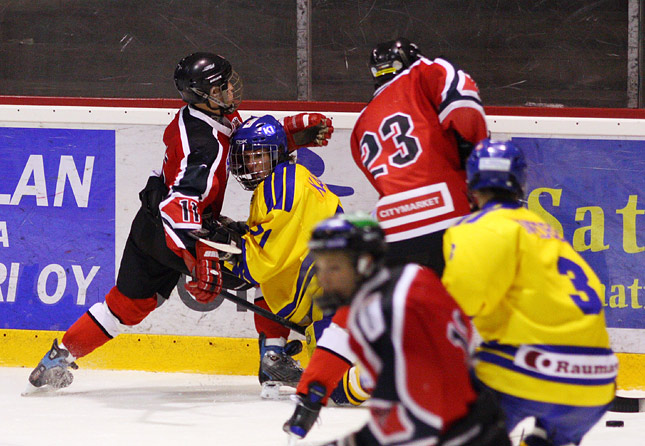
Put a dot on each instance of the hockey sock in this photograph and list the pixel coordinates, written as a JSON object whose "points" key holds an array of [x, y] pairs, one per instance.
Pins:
{"points": [[104, 321], [325, 367], [271, 329], [84, 336], [354, 391]]}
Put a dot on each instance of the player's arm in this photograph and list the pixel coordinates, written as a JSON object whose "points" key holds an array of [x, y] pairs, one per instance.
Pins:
{"points": [[331, 359], [455, 96], [181, 214], [480, 264], [307, 130]]}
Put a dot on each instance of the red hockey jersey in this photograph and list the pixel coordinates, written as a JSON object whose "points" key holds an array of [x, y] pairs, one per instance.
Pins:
{"points": [[413, 342], [195, 170], [405, 142]]}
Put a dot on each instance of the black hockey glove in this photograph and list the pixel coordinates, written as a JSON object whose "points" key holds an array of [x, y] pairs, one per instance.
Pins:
{"points": [[237, 226], [464, 149], [307, 410], [215, 231]]}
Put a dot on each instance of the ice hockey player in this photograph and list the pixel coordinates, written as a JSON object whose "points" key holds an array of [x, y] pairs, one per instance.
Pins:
{"points": [[411, 142], [534, 301], [412, 341], [287, 202], [175, 202]]}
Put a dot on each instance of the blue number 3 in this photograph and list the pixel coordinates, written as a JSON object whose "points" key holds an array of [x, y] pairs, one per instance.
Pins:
{"points": [[581, 283]]}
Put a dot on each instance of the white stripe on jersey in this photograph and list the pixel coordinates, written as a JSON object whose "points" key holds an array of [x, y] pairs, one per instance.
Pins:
{"points": [[464, 103], [460, 87], [417, 232], [399, 298], [336, 339], [185, 147], [450, 76]]}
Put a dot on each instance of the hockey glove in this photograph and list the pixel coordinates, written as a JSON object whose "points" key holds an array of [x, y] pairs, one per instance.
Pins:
{"points": [[238, 226], [206, 273], [307, 410], [227, 236], [230, 240], [307, 130]]}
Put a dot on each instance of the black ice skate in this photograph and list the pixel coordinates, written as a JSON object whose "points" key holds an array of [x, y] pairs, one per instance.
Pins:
{"points": [[278, 368], [52, 371]]}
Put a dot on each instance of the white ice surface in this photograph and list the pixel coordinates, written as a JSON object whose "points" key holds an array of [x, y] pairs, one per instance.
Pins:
{"points": [[143, 408]]}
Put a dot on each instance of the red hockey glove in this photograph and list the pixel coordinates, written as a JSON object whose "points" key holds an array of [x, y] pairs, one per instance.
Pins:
{"points": [[307, 130], [206, 273]]}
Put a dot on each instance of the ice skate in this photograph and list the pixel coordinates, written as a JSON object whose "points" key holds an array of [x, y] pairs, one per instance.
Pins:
{"points": [[278, 368], [52, 371]]}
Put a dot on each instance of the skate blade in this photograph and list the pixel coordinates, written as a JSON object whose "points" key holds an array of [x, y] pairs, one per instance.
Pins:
{"points": [[272, 390], [32, 390]]}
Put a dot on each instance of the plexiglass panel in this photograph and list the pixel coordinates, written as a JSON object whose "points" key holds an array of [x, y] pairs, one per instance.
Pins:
{"points": [[568, 53]]}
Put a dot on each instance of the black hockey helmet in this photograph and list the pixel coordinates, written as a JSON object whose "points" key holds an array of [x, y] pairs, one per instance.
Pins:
{"points": [[356, 235], [390, 58], [197, 73]]}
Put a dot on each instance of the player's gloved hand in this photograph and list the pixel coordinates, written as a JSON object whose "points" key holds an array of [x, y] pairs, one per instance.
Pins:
{"points": [[307, 409], [226, 236], [238, 226], [307, 129], [206, 273]]}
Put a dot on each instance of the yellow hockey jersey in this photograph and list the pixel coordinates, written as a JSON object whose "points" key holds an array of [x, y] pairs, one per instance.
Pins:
{"points": [[285, 208], [535, 302]]}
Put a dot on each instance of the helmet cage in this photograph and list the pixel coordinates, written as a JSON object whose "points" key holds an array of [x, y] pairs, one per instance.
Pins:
{"points": [[251, 163], [228, 98], [256, 149]]}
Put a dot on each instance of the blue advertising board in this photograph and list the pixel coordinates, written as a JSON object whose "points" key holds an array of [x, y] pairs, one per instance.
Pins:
{"points": [[57, 223], [593, 191]]}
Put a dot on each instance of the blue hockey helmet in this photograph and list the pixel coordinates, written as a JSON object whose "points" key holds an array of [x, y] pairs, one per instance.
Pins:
{"points": [[497, 165], [257, 147]]}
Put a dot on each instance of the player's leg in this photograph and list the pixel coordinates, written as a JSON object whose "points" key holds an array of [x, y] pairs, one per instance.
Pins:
{"points": [[277, 366], [333, 365], [560, 424], [425, 250], [128, 303], [555, 425]]}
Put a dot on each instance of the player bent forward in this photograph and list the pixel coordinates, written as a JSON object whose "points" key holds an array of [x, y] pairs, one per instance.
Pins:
{"points": [[411, 339], [535, 303], [287, 202]]}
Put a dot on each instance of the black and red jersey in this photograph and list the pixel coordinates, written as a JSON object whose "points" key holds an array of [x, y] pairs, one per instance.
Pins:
{"points": [[195, 171], [405, 142], [412, 341]]}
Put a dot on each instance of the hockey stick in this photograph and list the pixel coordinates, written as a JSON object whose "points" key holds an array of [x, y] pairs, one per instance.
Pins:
{"points": [[221, 246], [262, 312]]}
